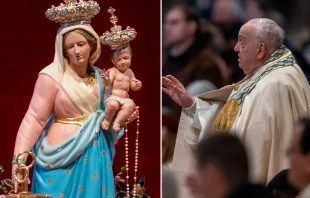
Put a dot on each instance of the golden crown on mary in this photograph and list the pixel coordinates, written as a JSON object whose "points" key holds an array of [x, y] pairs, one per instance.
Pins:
{"points": [[117, 38], [73, 12]]}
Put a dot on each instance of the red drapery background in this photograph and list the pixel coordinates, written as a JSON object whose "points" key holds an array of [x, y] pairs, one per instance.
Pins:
{"points": [[27, 45]]}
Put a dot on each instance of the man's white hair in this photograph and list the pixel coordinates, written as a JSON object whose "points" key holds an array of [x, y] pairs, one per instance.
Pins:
{"points": [[269, 32]]}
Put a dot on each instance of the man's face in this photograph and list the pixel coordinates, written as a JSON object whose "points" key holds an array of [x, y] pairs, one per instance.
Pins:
{"points": [[175, 27], [299, 173], [222, 12], [247, 49]]}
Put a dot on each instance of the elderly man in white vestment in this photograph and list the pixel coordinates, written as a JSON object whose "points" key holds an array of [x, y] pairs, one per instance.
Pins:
{"points": [[263, 108]]}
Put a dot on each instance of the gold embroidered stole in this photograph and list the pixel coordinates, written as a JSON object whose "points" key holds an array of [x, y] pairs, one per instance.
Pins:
{"points": [[226, 118]]}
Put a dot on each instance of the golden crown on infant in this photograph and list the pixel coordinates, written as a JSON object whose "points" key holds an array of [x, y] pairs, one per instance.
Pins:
{"points": [[117, 38], [73, 12]]}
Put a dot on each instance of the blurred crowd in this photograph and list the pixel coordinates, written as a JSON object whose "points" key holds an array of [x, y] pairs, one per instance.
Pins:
{"points": [[199, 37], [223, 171]]}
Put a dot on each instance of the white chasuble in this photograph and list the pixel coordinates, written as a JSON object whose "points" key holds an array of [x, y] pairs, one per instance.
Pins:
{"points": [[262, 110]]}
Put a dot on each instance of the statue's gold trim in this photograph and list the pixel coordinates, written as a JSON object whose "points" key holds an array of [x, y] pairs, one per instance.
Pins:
{"points": [[78, 121]]}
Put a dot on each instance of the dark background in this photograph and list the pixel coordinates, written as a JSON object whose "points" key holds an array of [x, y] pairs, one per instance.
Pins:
{"points": [[27, 40]]}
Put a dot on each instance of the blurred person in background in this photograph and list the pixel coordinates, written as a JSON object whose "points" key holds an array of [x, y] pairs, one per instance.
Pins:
{"points": [[222, 170], [227, 16], [280, 187], [189, 56], [170, 187], [169, 134], [299, 156]]}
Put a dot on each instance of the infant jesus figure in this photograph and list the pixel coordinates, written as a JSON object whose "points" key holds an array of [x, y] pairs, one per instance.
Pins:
{"points": [[118, 80]]}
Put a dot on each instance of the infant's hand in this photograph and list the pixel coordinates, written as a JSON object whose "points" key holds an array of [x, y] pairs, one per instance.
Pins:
{"points": [[105, 75], [138, 83]]}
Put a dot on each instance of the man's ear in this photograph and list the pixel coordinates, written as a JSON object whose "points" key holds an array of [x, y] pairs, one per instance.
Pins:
{"points": [[262, 50]]}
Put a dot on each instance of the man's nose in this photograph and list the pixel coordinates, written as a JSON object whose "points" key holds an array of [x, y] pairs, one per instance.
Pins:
{"points": [[236, 48]]}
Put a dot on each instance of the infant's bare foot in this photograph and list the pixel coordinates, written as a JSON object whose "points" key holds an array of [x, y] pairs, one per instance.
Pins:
{"points": [[105, 124], [116, 126]]}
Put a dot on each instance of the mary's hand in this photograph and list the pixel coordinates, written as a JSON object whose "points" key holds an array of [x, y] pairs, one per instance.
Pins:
{"points": [[176, 91]]}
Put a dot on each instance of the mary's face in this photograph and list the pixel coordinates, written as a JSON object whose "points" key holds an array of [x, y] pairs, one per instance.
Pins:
{"points": [[77, 49]]}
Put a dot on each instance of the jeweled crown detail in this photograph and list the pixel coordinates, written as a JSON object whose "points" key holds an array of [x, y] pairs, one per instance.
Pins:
{"points": [[117, 38], [73, 12]]}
